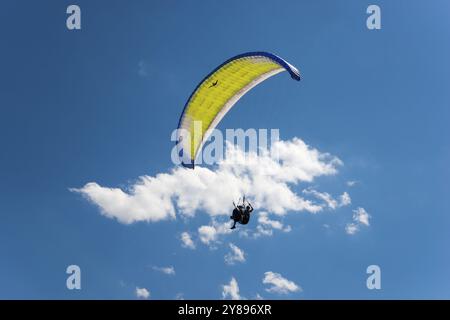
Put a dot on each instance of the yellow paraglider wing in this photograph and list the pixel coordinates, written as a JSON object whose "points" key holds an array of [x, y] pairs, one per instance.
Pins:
{"points": [[217, 94]]}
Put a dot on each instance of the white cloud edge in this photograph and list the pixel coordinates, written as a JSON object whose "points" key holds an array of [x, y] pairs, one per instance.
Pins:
{"points": [[169, 270], [186, 241], [235, 255], [231, 290], [142, 293], [360, 218], [278, 284]]}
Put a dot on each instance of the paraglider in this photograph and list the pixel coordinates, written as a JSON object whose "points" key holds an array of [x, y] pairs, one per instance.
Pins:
{"points": [[214, 96], [241, 213], [217, 93]]}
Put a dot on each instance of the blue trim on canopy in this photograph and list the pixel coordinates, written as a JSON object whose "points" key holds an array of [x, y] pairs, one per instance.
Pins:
{"points": [[292, 71], [188, 165]]}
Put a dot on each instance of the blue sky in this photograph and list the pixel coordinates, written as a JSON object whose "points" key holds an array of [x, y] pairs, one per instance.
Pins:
{"points": [[77, 107]]}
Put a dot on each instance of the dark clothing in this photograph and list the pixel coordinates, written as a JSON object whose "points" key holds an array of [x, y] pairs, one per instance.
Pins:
{"points": [[245, 218], [241, 215], [236, 215]]}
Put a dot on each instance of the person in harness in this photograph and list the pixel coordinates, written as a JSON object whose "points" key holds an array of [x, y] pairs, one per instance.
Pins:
{"points": [[241, 213]]}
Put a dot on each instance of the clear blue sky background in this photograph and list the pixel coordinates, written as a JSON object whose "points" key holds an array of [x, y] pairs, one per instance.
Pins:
{"points": [[74, 109]]}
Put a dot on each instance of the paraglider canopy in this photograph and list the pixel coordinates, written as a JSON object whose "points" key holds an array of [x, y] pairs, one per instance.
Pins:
{"points": [[217, 93]]}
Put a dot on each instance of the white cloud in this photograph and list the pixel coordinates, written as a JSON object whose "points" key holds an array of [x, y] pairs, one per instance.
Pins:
{"points": [[209, 235], [186, 241], [324, 196], [142, 293], [262, 231], [231, 290], [236, 255], [261, 177], [361, 216], [258, 297], [328, 200], [351, 183], [345, 199], [266, 226], [264, 219], [278, 284], [351, 228], [167, 270]]}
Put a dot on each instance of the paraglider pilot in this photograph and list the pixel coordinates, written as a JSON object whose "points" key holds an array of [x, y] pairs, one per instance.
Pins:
{"points": [[241, 213]]}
